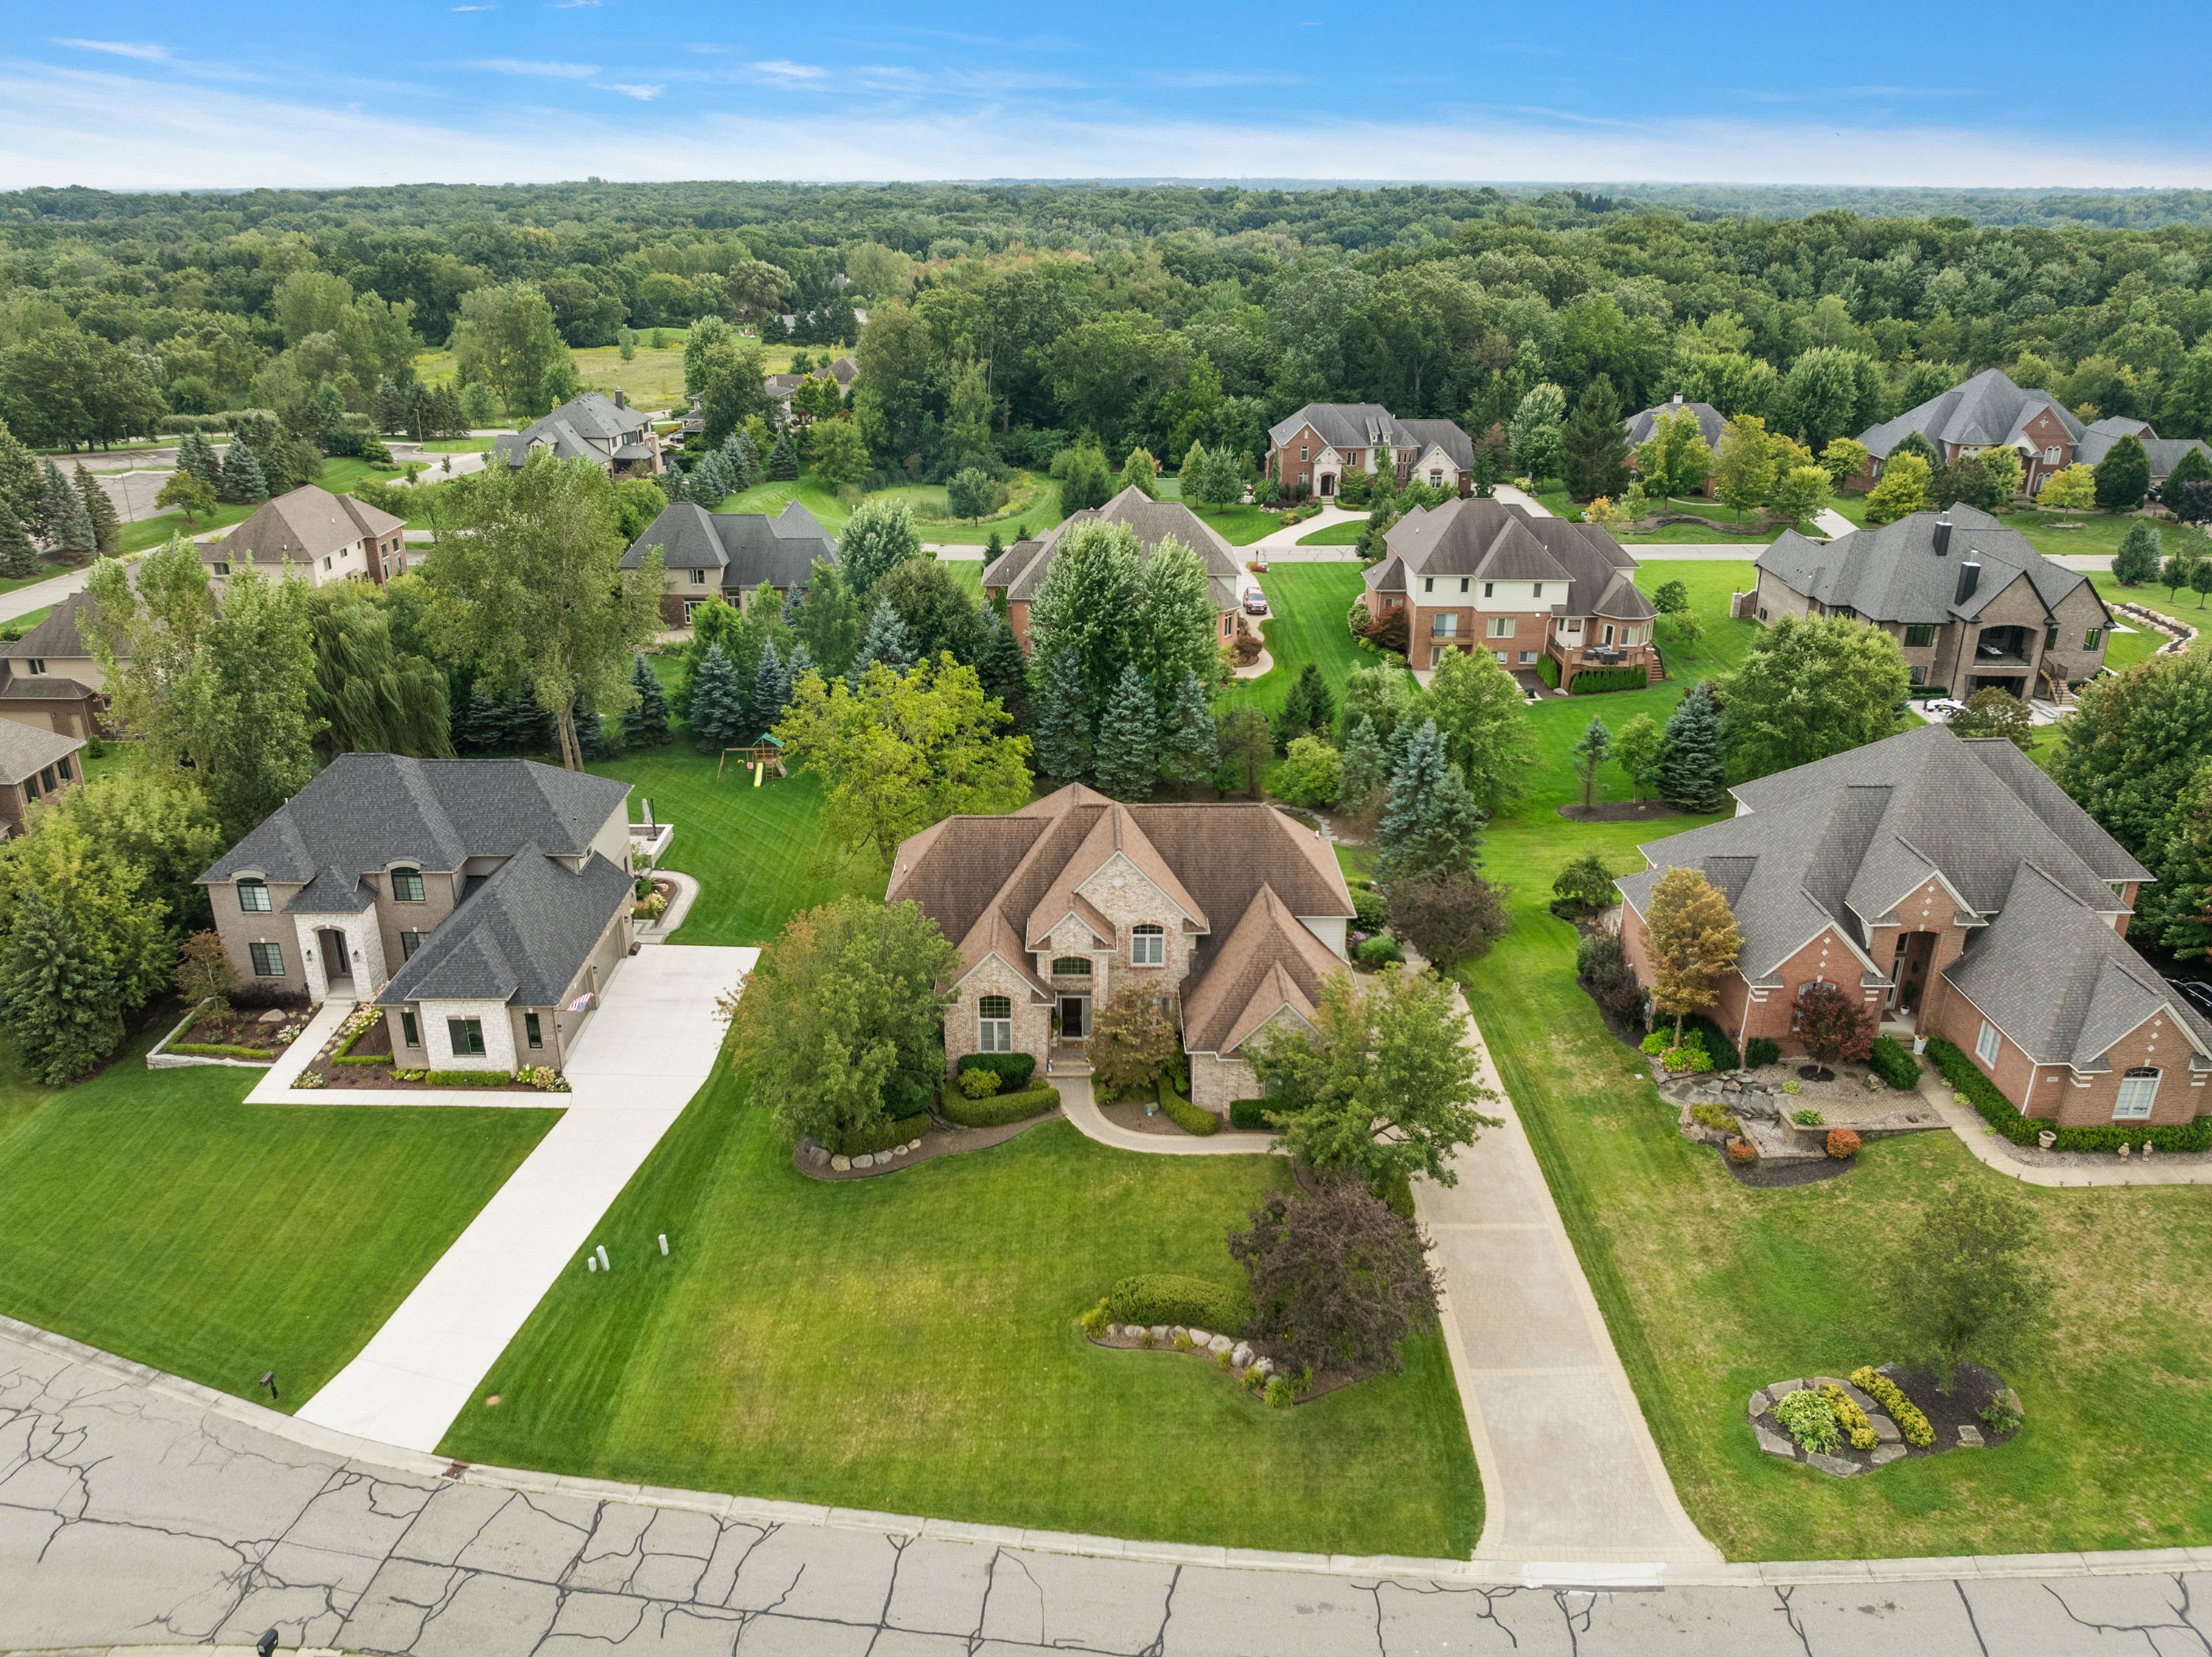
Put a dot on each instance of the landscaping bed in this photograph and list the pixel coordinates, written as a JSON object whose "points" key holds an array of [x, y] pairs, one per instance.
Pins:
{"points": [[655, 903], [817, 1161], [1881, 1415], [245, 1035], [358, 1056]]}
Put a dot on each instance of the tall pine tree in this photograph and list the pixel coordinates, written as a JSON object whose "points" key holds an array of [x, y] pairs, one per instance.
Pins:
{"points": [[1004, 674], [58, 1001], [18, 558], [53, 514], [1127, 759], [645, 725], [106, 523], [1365, 770], [1309, 709], [1693, 776], [243, 480], [1432, 824], [1190, 737], [885, 644], [592, 740], [1063, 745], [78, 539], [1594, 448], [782, 461], [720, 707], [771, 689]]}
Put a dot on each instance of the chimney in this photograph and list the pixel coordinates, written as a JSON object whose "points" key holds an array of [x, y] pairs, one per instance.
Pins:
{"points": [[621, 398], [1943, 534], [1678, 400], [1970, 577]]}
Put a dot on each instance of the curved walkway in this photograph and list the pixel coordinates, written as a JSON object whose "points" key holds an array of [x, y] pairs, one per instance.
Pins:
{"points": [[1082, 1109], [687, 893], [2063, 1170]]}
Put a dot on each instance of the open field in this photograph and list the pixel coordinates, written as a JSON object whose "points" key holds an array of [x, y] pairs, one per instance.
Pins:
{"points": [[926, 501]]}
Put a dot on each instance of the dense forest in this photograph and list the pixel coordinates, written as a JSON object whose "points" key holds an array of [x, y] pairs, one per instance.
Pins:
{"points": [[1011, 317]]}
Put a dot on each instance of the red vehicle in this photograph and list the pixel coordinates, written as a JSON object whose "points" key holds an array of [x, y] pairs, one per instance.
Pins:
{"points": [[1256, 602]]}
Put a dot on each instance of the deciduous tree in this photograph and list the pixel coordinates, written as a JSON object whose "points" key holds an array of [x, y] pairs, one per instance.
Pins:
{"points": [[2074, 490], [1834, 1023], [1338, 1280], [1133, 1043], [1811, 686], [1965, 1281], [1993, 712], [1447, 917], [879, 535], [1640, 749], [1694, 943], [1484, 717], [1743, 471]]}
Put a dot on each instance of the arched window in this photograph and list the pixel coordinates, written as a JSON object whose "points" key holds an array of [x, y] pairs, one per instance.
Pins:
{"points": [[2138, 1090], [252, 896], [1071, 966], [407, 885], [1148, 946], [994, 1024]]}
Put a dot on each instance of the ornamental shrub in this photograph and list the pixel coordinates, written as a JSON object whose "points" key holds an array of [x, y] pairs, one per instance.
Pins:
{"points": [[1967, 1080], [1162, 1297], [1279, 1393], [468, 1079], [979, 1084], [1012, 1069], [1807, 1116], [1742, 1151], [866, 1142], [1891, 1397], [1998, 1415], [1843, 1143], [1654, 1044], [1710, 1038], [996, 1110], [1379, 951], [1547, 669], [225, 1049], [1810, 1419], [1717, 1117], [1200, 1123], [1761, 1050], [1890, 1059], [1248, 1113], [1849, 1417], [1368, 911]]}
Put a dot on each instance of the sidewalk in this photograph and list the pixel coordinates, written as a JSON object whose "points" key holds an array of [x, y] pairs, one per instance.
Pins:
{"points": [[1075, 1099], [2060, 1170]]}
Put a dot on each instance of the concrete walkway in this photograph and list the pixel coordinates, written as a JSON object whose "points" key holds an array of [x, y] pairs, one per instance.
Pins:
{"points": [[646, 1052], [1082, 1108], [43, 594], [687, 893], [2063, 1170], [141, 1512], [1569, 1472]]}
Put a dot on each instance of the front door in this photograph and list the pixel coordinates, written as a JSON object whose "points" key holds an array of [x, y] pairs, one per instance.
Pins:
{"points": [[337, 963], [1074, 1017]]}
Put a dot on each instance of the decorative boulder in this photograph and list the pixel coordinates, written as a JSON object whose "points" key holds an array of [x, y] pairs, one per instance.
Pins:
{"points": [[914, 1144], [1160, 1334], [839, 1164], [1241, 1356], [865, 1159], [1219, 1344]]}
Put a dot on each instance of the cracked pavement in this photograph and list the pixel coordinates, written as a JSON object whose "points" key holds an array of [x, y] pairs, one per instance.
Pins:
{"points": [[134, 1513]]}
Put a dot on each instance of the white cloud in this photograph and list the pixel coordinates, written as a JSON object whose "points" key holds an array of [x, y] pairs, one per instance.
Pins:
{"points": [[487, 8], [145, 51], [638, 90], [782, 69], [537, 66]]}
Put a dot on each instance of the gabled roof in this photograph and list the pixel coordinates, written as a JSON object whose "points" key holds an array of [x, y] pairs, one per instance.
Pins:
{"points": [[1446, 435], [1893, 572], [1116, 833], [365, 812], [1490, 540], [1711, 423], [1987, 411], [60, 635], [1020, 570], [2163, 453], [299, 526], [521, 937], [747, 547], [43, 687], [589, 427], [25, 750], [1270, 962]]}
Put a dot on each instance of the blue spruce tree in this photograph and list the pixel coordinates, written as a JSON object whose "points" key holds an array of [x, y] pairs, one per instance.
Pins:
{"points": [[886, 643], [1693, 776], [645, 725], [720, 707], [1432, 824], [1190, 737], [1062, 744], [771, 689], [1127, 761]]}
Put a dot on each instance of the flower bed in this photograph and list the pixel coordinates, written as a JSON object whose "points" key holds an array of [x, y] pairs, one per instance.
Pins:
{"points": [[229, 1035], [1881, 1415]]}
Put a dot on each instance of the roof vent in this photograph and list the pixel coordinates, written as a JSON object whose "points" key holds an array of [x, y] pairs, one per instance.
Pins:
{"points": [[1943, 534], [1970, 577]]}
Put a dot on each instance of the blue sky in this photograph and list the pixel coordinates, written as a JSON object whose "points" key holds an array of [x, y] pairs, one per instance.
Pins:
{"points": [[173, 95]]}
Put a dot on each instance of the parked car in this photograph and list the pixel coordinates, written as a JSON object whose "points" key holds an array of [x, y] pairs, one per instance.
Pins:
{"points": [[2196, 992], [1256, 602]]}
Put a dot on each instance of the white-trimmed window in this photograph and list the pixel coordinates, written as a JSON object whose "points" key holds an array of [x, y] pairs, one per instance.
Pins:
{"points": [[698, 578], [2138, 1090], [1574, 624], [1527, 658], [1490, 589], [994, 1024], [268, 960], [1444, 625], [1988, 1044], [1537, 591], [1148, 946], [1463, 584], [1428, 583], [466, 1036], [1071, 966], [1501, 627], [254, 896]]}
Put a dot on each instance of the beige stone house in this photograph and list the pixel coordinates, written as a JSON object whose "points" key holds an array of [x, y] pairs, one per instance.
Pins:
{"points": [[606, 431], [1234, 913], [314, 536], [48, 677], [1017, 575], [707, 555], [1958, 892], [1969, 602], [482, 904], [35, 764]]}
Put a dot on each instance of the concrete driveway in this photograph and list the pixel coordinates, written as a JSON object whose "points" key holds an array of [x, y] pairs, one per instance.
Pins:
{"points": [[644, 1053]]}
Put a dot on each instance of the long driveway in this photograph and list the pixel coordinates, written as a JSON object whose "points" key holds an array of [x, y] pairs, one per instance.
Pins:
{"points": [[646, 1052]]}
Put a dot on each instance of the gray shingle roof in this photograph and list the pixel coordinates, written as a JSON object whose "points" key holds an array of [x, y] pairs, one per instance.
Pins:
{"points": [[43, 687], [1494, 540], [25, 750], [1986, 412], [1369, 425], [1893, 572], [2163, 453], [59, 635], [1445, 435], [520, 937], [1021, 568], [589, 427], [365, 812], [747, 547], [1711, 423]]}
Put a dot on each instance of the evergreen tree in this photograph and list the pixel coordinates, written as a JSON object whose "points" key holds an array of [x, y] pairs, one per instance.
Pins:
{"points": [[19, 479], [720, 706], [1127, 762], [18, 558], [771, 689], [591, 734], [1062, 747], [106, 523], [1190, 737], [79, 541], [645, 725], [203, 462], [782, 461], [2137, 559], [1432, 824], [1592, 749], [58, 1002], [388, 407], [1365, 768], [1693, 776], [1594, 448], [1000, 666], [1308, 708], [477, 725], [2123, 475], [242, 479], [55, 497], [885, 644]]}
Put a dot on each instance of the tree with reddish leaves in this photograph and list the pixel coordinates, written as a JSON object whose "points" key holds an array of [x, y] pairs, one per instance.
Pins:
{"points": [[1338, 1279], [1833, 1024]]}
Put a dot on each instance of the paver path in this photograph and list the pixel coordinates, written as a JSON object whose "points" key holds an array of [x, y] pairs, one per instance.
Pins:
{"points": [[646, 1052], [1569, 1468], [138, 1511], [1076, 1099]]}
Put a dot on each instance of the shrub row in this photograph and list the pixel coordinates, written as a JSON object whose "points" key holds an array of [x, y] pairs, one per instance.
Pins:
{"points": [[1012, 1069], [1248, 1113], [345, 1053], [218, 1050], [998, 1109], [1547, 669], [1162, 1297], [1761, 1050], [1849, 1417], [1902, 1409], [1185, 1115], [1591, 680], [1965, 1078], [866, 1142], [468, 1078], [1890, 1059]]}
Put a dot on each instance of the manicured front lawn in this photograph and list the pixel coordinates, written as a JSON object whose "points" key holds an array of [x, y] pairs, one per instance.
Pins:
{"points": [[908, 1343], [1343, 534], [1308, 602], [48, 569], [151, 1213], [1711, 1289]]}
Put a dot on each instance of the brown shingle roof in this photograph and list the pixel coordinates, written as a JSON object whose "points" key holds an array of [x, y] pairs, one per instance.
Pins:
{"points": [[1269, 961], [302, 526]]}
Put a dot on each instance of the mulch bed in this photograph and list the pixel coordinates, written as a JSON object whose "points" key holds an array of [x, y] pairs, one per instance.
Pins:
{"points": [[1616, 811], [1130, 1113], [662, 885], [1773, 1176], [1947, 1412], [240, 1027], [943, 1139]]}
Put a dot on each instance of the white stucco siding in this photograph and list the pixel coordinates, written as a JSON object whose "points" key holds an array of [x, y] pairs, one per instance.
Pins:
{"points": [[498, 1035], [612, 841]]}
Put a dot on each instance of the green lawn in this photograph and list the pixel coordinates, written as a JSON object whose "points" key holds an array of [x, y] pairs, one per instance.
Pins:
{"points": [[48, 569], [1240, 526], [151, 1213], [908, 1345], [1343, 534], [926, 501], [1309, 602]]}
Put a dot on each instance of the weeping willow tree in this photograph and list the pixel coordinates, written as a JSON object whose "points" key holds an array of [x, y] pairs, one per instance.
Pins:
{"points": [[372, 697]]}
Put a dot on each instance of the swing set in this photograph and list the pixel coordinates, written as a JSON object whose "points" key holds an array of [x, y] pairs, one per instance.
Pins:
{"points": [[758, 758]]}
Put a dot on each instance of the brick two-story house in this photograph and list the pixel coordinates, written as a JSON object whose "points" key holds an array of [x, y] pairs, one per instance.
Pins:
{"points": [[723, 554], [1310, 453], [1479, 574], [1234, 913], [607, 432], [314, 536], [1987, 411], [1017, 575], [1969, 602], [482, 904], [1959, 892]]}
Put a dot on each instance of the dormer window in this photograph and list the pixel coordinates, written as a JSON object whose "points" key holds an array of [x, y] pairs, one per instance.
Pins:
{"points": [[407, 885], [1148, 946], [252, 896]]}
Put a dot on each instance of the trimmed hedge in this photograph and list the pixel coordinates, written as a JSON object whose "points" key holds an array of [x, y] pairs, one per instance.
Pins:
{"points": [[1246, 1113], [1592, 680], [1890, 1059], [345, 1053], [998, 1109], [1189, 1118], [866, 1142], [220, 1050], [1964, 1077], [1380, 950], [1370, 913], [1547, 669], [1012, 1069], [1718, 1047], [1761, 1050], [471, 1079], [1162, 1297]]}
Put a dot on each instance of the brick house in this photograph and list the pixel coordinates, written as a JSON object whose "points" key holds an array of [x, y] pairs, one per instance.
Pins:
{"points": [[1485, 574], [482, 904], [1960, 892], [722, 554], [1987, 411], [608, 432], [1233, 913], [313, 536], [1310, 453], [2164, 453], [49, 679], [1017, 575], [35, 764], [1969, 602]]}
